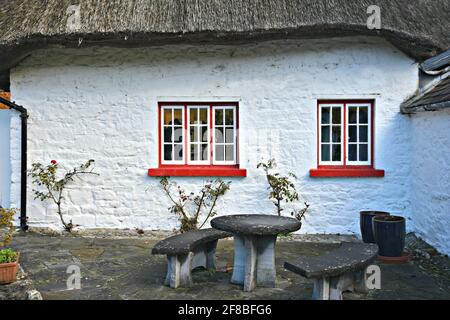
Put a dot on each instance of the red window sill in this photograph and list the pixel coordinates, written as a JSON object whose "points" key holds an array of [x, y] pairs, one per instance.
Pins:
{"points": [[200, 171], [346, 173]]}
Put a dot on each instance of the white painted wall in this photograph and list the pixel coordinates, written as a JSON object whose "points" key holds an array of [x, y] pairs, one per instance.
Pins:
{"points": [[5, 163], [431, 177], [102, 104]]}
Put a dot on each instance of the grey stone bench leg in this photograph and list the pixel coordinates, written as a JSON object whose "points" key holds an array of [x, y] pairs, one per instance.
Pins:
{"points": [[205, 256], [321, 289], [326, 288], [179, 270], [340, 284], [179, 266], [360, 284], [211, 255]]}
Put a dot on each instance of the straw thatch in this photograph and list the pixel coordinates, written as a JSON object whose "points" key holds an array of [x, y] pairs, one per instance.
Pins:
{"points": [[419, 28]]}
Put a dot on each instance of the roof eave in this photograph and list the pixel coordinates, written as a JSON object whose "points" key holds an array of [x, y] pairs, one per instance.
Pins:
{"points": [[439, 62], [427, 107]]}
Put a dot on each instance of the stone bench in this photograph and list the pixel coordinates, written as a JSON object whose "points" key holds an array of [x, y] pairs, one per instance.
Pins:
{"points": [[343, 269], [188, 251]]}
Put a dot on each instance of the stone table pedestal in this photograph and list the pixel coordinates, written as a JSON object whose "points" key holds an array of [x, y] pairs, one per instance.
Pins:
{"points": [[254, 246]]}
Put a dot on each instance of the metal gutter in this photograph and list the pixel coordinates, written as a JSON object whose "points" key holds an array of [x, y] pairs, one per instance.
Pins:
{"points": [[23, 170]]}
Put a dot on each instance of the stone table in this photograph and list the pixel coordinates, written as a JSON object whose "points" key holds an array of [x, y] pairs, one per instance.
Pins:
{"points": [[254, 246]]}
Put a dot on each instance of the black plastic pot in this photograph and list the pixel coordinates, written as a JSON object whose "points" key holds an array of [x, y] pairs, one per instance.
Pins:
{"points": [[389, 232], [365, 222]]}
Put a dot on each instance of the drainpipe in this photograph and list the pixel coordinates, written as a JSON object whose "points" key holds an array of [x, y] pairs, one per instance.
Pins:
{"points": [[23, 169]]}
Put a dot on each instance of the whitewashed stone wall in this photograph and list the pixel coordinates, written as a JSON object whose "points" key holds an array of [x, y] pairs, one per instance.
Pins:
{"points": [[102, 104], [431, 177]]}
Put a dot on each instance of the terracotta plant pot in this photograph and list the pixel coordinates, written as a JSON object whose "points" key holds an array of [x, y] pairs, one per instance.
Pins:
{"points": [[390, 232], [365, 221], [8, 271]]}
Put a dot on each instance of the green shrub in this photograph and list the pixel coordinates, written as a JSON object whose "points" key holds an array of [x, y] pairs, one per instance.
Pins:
{"points": [[6, 225], [282, 189], [7, 256], [51, 185], [188, 207]]}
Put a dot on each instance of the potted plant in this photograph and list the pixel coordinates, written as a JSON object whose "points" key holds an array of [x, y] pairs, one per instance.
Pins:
{"points": [[9, 259], [389, 232], [365, 222]]}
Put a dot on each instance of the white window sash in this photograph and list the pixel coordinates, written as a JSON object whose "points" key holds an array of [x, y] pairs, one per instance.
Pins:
{"points": [[198, 162], [163, 108], [224, 162], [331, 163], [369, 138]]}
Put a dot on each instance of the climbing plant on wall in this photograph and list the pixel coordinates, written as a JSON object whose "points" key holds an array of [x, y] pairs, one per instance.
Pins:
{"points": [[51, 186], [282, 189], [189, 206]]}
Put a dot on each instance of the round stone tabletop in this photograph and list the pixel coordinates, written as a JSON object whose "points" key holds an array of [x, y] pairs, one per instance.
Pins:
{"points": [[255, 224]]}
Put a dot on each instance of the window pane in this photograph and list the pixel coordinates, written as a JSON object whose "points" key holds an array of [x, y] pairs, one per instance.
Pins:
{"points": [[204, 133], [352, 149], [336, 133], [363, 134], [336, 115], [325, 152], [336, 152], [363, 152], [204, 152], [219, 135], [325, 133], [193, 115], [194, 152], [229, 153], [325, 115], [167, 152], [178, 117], [229, 117], [193, 131], [352, 133], [167, 134], [219, 116], [167, 116], [363, 115], [219, 156], [229, 135], [204, 116], [178, 134], [178, 152], [352, 114]]}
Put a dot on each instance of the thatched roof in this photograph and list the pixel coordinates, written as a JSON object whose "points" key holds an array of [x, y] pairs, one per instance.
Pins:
{"points": [[419, 28]]}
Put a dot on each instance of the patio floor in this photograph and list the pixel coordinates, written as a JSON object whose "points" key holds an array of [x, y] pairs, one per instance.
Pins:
{"points": [[125, 269]]}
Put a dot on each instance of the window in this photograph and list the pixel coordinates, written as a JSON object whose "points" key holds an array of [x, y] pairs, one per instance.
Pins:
{"points": [[198, 139], [345, 139], [173, 135]]}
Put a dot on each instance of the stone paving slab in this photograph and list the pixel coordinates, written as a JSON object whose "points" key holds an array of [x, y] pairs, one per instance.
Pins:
{"points": [[125, 269]]}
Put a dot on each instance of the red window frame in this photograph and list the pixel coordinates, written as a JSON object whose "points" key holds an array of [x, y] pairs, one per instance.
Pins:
{"points": [[347, 170], [211, 170]]}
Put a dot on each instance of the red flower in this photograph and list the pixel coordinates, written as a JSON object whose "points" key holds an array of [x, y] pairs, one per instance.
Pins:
{"points": [[53, 161]]}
